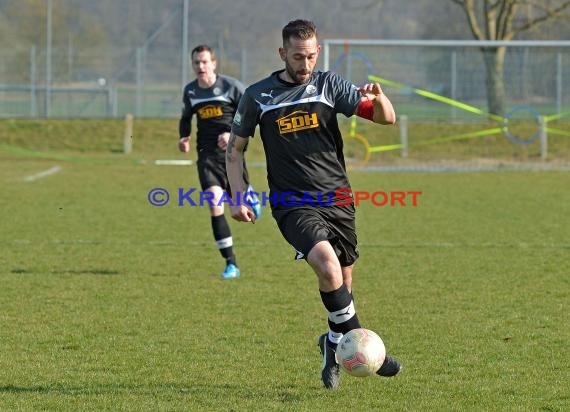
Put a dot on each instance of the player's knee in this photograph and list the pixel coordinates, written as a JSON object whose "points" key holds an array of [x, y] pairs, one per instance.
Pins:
{"points": [[329, 273], [329, 281]]}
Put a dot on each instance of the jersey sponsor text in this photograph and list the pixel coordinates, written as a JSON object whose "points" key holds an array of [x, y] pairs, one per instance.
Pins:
{"points": [[210, 111], [296, 121]]}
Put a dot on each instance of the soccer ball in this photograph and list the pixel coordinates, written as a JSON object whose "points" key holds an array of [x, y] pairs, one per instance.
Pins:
{"points": [[360, 352]]}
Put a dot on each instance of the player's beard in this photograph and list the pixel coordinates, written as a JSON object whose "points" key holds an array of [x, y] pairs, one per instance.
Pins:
{"points": [[297, 76]]}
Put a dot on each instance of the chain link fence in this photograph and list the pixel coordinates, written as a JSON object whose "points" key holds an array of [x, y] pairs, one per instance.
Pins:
{"points": [[533, 74], [147, 81]]}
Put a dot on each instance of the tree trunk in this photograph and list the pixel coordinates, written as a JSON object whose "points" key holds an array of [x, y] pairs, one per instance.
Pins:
{"points": [[494, 64]]}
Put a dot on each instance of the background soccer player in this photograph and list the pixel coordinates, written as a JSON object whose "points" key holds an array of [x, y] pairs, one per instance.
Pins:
{"points": [[214, 99], [296, 111]]}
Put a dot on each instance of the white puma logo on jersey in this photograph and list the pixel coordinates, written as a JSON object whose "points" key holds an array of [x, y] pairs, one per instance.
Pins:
{"points": [[267, 94]]}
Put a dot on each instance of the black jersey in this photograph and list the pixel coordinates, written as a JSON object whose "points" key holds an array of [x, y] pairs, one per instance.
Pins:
{"points": [[298, 125], [214, 107]]}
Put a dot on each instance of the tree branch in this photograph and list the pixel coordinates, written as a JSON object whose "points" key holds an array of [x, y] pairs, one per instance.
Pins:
{"points": [[549, 14], [469, 9], [499, 17], [488, 18], [506, 16]]}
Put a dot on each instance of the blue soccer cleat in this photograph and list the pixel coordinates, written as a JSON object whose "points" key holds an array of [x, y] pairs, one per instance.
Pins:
{"points": [[231, 272], [253, 201]]}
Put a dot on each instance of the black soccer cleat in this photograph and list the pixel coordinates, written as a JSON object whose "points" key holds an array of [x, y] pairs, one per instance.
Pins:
{"points": [[330, 372], [390, 367]]}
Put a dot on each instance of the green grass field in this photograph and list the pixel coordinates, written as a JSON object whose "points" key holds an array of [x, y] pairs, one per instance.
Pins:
{"points": [[109, 303]]}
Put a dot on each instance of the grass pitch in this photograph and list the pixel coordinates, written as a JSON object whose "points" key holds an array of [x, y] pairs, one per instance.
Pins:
{"points": [[109, 303]]}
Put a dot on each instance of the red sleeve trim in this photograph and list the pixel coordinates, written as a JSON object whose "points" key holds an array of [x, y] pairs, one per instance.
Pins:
{"points": [[365, 109]]}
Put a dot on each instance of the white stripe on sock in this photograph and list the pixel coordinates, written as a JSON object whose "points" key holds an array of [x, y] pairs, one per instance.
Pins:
{"points": [[335, 337], [224, 243], [341, 316]]}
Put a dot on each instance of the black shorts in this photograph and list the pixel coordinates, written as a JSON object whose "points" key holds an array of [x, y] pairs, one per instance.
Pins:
{"points": [[212, 171], [303, 227]]}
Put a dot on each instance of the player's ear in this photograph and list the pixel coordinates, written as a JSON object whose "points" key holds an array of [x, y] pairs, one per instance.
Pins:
{"points": [[282, 53]]}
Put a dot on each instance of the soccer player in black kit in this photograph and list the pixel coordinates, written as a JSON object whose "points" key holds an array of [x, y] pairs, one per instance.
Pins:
{"points": [[296, 110], [214, 99]]}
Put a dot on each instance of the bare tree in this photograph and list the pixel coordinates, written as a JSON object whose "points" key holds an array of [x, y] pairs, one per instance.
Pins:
{"points": [[505, 20]]}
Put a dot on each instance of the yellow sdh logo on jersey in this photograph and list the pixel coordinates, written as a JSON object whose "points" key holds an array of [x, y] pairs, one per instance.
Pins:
{"points": [[207, 112], [298, 120]]}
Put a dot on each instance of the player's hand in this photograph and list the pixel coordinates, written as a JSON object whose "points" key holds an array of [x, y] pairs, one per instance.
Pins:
{"points": [[371, 90], [223, 139], [184, 144], [242, 213]]}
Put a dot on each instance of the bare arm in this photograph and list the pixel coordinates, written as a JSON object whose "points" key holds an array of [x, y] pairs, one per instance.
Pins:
{"points": [[234, 170], [375, 105], [185, 125]]}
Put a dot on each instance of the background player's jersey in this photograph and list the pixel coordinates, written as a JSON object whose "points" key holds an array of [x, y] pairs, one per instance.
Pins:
{"points": [[299, 129], [214, 108]]}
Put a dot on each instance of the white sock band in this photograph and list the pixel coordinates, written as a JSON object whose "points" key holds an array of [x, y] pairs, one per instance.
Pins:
{"points": [[224, 243], [335, 337], [341, 316]]}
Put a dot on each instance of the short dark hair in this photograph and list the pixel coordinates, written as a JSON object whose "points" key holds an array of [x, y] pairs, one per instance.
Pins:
{"points": [[202, 48], [300, 29]]}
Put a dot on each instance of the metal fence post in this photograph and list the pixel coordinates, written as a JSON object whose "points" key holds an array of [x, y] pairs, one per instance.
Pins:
{"points": [[33, 84], [48, 59], [140, 81], [404, 135], [543, 138]]}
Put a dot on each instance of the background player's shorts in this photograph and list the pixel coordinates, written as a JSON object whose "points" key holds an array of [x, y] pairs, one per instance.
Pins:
{"points": [[212, 171], [303, 227]]}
